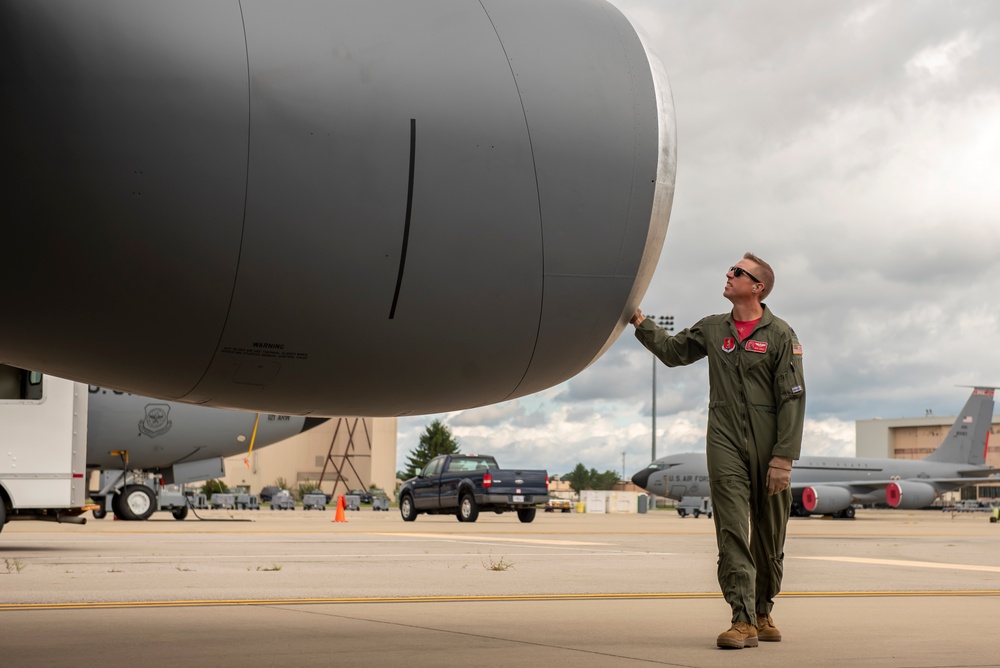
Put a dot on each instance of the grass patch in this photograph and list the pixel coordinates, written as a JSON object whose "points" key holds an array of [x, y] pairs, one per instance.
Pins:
{"points": [[13, 565], [497, 565], [274, 567]]}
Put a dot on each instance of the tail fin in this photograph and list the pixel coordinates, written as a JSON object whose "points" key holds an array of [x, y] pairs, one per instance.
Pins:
{"points": [[969, 437]]}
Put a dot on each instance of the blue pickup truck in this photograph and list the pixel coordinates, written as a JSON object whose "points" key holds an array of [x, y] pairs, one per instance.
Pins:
{"points": [[464, 485]]}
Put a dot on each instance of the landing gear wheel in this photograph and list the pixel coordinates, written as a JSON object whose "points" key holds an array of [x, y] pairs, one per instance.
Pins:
{"points": [[468, 511], [526, 515], [849, 512], [406, 508], [179, 513], [134, 503]]}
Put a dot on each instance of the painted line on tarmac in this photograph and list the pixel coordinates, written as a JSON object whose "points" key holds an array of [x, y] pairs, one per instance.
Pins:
{"points": [[459, 538], [204, 603], [902, 562]]}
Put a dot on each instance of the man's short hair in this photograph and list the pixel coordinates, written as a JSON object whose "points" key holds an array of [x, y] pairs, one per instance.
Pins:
{"points": [[766, 274]]}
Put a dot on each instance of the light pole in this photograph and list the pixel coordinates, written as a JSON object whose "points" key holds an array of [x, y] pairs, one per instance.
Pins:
{"points": [[665, 322]]}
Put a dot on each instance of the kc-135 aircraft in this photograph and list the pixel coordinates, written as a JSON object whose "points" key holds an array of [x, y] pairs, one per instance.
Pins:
{"points": [[371, 208], [178, 442], [830, 485]]}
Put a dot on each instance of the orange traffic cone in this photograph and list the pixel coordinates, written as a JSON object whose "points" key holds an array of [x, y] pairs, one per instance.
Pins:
{"points": [[341, 504]]}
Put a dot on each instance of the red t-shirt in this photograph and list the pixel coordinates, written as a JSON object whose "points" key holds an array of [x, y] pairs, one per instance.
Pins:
{"points": [[744, 327]]}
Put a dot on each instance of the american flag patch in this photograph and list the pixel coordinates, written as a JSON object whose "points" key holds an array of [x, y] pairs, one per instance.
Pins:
{"points": [[968, 419], [796, 348]]}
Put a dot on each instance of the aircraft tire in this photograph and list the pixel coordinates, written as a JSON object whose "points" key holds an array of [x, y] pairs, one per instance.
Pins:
{"points": [[849, 512], [526, 515], [179, 513], [134, 503], [468, 511]]}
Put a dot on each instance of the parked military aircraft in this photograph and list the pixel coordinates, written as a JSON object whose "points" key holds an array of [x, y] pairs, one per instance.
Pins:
{"points": [[831, 485], [327, 208], [180, 442]]}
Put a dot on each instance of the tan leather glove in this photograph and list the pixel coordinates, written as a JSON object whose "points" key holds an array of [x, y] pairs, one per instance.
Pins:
{"points": [[779, 475]]}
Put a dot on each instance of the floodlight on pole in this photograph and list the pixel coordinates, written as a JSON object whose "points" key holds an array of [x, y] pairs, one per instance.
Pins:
{"points": [[665, 322]]}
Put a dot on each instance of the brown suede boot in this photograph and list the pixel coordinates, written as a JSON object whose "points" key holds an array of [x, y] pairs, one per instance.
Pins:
{"points": [[766, 630], [739, 635]]}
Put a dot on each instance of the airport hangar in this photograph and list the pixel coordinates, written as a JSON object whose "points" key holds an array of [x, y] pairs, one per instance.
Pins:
{"points": [[915, 438]]}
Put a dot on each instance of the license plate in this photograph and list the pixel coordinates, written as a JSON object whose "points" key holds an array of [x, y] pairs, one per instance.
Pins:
{"points": [[517, 498]]}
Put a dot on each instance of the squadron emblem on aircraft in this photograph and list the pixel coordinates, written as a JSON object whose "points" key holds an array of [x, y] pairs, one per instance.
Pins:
{"points": [[157, 421]]}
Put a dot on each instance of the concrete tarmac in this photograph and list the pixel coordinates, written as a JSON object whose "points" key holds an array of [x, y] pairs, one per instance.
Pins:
{"points": [[293, 588]]}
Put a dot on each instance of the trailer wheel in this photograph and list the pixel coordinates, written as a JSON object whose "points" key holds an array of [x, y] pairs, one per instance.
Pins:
{"points": [[102, 512], [180, 513], [526, 515], [134, 503], [468, 511]]}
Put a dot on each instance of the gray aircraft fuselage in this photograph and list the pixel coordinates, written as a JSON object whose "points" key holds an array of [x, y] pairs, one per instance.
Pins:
{"points": [[831, 485], [686, 474], [159, 434]]}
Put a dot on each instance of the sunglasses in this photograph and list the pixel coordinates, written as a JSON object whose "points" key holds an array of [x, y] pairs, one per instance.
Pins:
{"points": [[740, 271]]}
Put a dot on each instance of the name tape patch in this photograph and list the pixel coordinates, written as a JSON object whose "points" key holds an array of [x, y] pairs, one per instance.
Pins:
{"points": [[756, 346]]}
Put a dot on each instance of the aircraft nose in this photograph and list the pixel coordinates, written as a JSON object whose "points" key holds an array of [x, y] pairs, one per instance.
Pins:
{"points": [[641, 479]]}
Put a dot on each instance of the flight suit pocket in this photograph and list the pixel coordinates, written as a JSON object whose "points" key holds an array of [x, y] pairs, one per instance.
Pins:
{"points": [[790, 382]]}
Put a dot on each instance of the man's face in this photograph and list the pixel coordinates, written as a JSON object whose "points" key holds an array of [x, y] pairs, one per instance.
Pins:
{"points": [[741, 287]]}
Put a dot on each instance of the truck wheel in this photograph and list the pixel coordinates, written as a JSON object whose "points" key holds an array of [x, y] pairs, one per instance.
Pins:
{"points": [[526, 515], [180, 513], [3, 514], [406, 508], [682, 512], [468, 511], [134, 503], [697, 514]]}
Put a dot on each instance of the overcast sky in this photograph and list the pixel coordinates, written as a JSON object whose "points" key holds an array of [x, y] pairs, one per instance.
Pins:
{"points": [[855, 146]]}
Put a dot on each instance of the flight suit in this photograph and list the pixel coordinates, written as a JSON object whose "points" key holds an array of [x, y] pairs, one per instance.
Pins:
{"points": [[756, 410]]}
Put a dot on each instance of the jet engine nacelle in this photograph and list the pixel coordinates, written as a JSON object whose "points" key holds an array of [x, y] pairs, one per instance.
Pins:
{"points": [[352, 208], [909, 495], [825, 499]]}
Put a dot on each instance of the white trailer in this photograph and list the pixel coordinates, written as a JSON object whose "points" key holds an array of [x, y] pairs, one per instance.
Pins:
{"points": [[43, 447]]}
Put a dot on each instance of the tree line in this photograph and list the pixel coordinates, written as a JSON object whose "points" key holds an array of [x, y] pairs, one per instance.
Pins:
{"points": [[437, 439]]}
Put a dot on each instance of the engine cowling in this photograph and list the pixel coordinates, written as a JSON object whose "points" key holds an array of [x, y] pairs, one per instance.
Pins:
{"points": [[910, 495], [825, 499], [328, 208]]}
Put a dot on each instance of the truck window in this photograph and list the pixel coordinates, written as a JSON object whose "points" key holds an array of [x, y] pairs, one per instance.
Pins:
{"points": [[433, 467], [20, 384], [472, 464]]}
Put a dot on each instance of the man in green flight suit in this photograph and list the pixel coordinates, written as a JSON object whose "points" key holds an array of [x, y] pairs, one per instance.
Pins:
{"points": [[755, 415]]}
